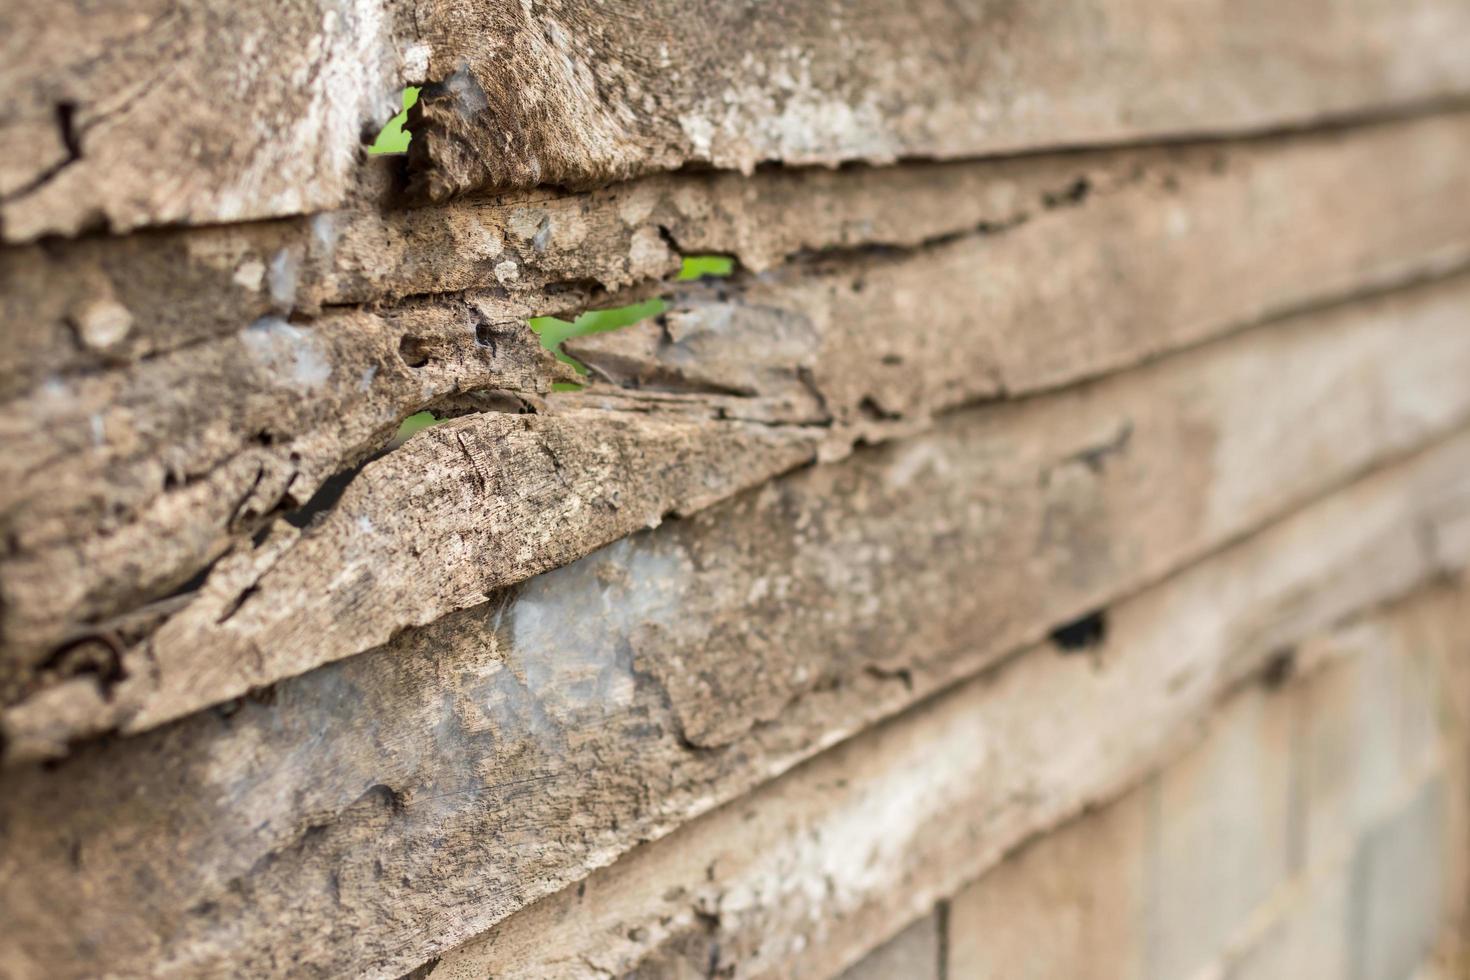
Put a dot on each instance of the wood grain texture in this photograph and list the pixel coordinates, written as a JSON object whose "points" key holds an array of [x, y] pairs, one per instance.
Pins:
{"points": [[807, 874], [1062, 495], [580, 92], [126, 484], [153, 113], [1379, 194], [141, 480], [369, 814], [146, 112], [1083, 362]]}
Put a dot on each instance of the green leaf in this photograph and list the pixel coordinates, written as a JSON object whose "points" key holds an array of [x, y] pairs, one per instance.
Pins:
{"points": [[394, 138], [700, 266]]}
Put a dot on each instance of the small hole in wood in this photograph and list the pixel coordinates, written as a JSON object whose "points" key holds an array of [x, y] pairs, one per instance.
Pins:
{"points": [[1084, 633]]}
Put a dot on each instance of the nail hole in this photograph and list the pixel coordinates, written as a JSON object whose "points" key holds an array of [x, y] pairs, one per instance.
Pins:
{"points": [[1081, 634]]}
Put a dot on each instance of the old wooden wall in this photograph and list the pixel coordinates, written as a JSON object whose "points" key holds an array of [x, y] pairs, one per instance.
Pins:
{"points": [[1043, 554]]}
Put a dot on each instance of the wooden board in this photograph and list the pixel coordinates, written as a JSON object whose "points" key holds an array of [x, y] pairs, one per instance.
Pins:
{"points": [[1382, 194], [366, 816], [805, 875], [153, 113], [478, 764], [125, 485]]}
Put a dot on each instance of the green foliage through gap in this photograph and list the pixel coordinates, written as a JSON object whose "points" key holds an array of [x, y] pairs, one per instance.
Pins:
{"points": [[414, 423], [552, 330], [394, 138], [700, 266]]}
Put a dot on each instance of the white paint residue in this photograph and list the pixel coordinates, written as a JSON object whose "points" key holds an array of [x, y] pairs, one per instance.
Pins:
{"points": [[507, 272], [281, 279], [292, 356], [911, 459], [574, 627], [325, 231], [250, 275]]}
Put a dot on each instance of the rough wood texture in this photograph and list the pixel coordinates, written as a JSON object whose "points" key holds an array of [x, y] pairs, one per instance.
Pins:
{"points": [[464, 509], [1070, 495], [135, 468], [484, 502], [583, 92], [152, 113], [367, 815], [147, 112], [1083, 362], [805, 875], [1369, 198], [1274, 849], [140, 480]]}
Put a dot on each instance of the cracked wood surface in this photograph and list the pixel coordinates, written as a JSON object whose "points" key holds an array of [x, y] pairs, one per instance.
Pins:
{"points": [[124, 485], [148, 112], [366, 815], [139, 480], [143, 845], [152, 113], [93, 303], [587, 92], [806, 875]]}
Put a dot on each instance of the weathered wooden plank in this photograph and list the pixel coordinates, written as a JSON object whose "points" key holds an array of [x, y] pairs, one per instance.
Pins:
{"points": [[92, 303], [152, 113], [1235, 860], [805, 875], [367, 815], [597, 91], [139, 480], [1037, 489], [462, 510], [483, 502], [1171, 257], [1177, 256]]}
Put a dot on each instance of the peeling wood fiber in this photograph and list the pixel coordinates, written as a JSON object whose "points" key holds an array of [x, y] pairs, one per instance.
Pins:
{"points": [[152, 113], [613, 699], [125, 484]]}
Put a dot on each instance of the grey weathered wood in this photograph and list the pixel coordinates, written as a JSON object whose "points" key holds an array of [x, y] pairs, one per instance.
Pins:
{"points": [[807, 874], [151, 113], [596, 91], [148, 112], [351, 728], [97, 302], [880, 575], [368, 814], [137, 480], [142, 467], [462, 510], [429, 529]]}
